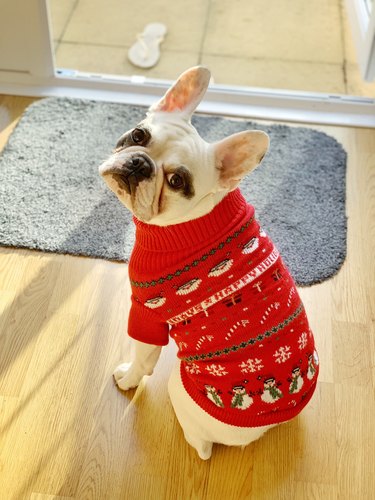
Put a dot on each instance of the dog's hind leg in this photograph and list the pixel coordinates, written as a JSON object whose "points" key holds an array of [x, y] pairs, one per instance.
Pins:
{"points": [[204, 448], [189, 416]]}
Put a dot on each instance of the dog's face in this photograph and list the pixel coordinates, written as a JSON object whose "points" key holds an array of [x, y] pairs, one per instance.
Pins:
{"points": [[165, 173]]}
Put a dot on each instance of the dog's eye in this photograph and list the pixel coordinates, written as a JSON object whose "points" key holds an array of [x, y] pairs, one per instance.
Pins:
{"points": [[176, 181], [139, 135]]}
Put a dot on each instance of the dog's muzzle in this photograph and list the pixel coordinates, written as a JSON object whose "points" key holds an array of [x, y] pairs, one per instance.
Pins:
{"points": [[136, 181], [131, 171]]}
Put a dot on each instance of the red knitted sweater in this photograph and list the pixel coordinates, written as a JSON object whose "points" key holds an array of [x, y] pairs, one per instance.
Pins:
{"points": [[218, 286]]}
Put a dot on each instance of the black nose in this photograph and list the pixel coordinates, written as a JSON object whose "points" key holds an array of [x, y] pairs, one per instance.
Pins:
{"points": [[139, 166]]}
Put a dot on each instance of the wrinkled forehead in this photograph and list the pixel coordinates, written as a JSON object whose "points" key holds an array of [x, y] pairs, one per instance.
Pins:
{"points": [[173, 140], [168, 126]]}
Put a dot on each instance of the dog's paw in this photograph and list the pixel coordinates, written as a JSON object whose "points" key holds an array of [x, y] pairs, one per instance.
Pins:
{"points": [[126, 376]]}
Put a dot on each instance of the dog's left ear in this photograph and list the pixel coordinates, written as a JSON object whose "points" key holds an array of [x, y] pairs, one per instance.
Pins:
{"points": [[185, 95], [237, 155]]}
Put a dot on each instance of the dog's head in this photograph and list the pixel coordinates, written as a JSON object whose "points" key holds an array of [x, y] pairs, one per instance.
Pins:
{"points": [[165, 173]]}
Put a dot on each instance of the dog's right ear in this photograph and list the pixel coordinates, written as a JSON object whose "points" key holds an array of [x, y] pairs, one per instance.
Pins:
{"points": [[239, 154], [185, 95]]}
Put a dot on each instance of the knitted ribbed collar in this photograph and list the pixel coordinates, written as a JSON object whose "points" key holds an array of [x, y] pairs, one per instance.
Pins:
{"points": [[226, 215]]}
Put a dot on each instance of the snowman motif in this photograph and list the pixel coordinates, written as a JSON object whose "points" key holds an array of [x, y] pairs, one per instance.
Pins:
{"points": [[296, 381], [240, 399], [271, 393], [312, 364], [213, 395]]}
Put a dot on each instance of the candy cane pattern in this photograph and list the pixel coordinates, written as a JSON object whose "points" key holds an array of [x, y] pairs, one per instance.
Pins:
{"points": [[275, 305], [202, 339], [291, 293], [243, 323]]}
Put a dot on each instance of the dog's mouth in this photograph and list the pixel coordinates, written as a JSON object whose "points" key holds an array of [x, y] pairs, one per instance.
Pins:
{"points": [[122, 180], [128, 182]]}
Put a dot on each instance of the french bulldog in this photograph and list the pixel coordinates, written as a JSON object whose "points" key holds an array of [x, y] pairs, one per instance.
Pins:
{"points": [[204, 273]]}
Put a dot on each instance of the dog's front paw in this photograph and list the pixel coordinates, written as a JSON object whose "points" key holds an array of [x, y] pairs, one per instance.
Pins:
{"points": [[126, 376]]}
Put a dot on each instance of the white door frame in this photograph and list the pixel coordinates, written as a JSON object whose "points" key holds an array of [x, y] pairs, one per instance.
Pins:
{"points": [[362, 23], [27, 68]]}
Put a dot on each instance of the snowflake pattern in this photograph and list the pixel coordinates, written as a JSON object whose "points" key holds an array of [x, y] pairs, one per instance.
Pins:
{"points": [[302, 341], [282, 354], [216, 370], [251, 365], [192, 368]]}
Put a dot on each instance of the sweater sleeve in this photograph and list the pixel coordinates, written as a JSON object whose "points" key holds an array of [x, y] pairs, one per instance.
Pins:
{"points": [[146, 326]]}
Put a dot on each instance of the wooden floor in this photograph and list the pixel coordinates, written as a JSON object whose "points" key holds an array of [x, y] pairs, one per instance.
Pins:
{"points": [[67, 432]]}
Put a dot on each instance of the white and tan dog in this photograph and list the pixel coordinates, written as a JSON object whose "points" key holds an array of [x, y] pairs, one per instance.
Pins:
{"points": [[174, 183]]}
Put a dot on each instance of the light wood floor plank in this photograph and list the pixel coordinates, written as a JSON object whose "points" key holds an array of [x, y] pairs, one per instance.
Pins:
{"points": [[355, 410], [314, 491], [26, 315], [42, 496], [319, 310]]}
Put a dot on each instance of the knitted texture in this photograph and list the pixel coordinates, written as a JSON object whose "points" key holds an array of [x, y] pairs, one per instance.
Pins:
{"points": [[218, 286]]}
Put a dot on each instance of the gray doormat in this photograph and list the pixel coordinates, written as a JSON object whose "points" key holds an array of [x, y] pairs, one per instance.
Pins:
{"points": [[53, 199]]}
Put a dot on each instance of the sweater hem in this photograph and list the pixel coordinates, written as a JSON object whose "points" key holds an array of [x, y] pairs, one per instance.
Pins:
{"points": [[231, 417], [156, 342]]}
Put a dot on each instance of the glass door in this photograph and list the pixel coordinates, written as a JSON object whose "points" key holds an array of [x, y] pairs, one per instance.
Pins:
{"points": [[283, 44], [362, 20], [291, 60]]}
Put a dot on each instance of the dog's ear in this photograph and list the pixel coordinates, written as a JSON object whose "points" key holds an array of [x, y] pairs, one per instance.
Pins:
{"points": [[237, 155], [185, 95]]}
